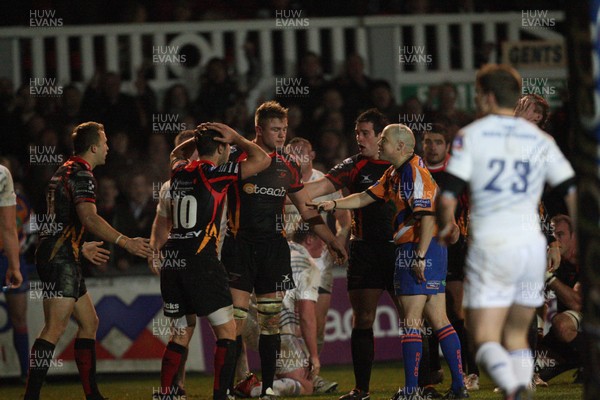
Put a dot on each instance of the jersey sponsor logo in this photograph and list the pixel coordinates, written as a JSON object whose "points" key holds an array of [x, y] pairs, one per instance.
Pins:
{"points": [[251, 188], [187, 235], [171, 308], [433, 285], [422, 203]]}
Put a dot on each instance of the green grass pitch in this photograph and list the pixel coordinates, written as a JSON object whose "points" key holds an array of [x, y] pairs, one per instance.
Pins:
{"points": [[385, 381]]}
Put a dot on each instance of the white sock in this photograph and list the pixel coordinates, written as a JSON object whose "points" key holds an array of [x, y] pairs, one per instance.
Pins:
{"points": [[497, 362], [522, 364], [286, 387]]}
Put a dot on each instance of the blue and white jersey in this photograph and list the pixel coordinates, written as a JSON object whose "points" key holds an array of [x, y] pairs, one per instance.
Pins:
{"points": [[506, 161]]}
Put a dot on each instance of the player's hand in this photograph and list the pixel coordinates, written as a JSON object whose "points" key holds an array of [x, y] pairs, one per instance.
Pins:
{"points": [[525, 108], [321, 206], [553, 258], [338, 251], [154, 262], [418, 268], [13, 280], [138, 247], [229, 135], [96, 254], [314, 367]]}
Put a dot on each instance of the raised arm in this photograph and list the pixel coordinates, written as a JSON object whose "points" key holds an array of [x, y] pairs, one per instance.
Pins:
{"points": [[184, 151], [319, 187]]}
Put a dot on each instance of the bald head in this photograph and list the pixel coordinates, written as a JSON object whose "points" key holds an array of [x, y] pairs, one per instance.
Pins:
{"points": [[401, 133]]}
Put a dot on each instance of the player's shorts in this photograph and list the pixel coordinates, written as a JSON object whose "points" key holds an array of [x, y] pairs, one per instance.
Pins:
{"points": [[457, 257], [61, 278], [293, 355], [262, 267], [436, 267], [195, 284], [24, 273], [371, 265], [499, 275]]}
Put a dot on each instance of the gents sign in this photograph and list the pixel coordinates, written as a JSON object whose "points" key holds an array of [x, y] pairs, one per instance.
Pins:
{"points": [[534, 54]]}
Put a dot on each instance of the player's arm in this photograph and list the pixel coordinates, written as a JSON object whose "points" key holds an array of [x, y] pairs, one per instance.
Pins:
{"points": [[446, 207], [257, 159], [308, 325], [319, 187], [95, 253], [352, 202], [158, 237], [300, 199], [96, 225], [568, 296], [343, 224], [427, 226], [184, 151], [10, 239]]}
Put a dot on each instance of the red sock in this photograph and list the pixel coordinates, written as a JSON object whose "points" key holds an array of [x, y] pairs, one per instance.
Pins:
{"points": [[170, 365], [225, 353], [85, 357]]}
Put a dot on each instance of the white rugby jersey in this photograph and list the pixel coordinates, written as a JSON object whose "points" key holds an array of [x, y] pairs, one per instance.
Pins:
{"points": [[506, 161], [7, 189]]}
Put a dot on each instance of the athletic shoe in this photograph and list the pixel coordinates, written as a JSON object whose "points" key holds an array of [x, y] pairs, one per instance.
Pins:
{"points": [[437, 377], [461, 394], [245, 386], [321, 385], [269, 395], [471, 382], [400, 395], [578, 375], [356, 394], [539, 381], [430, 392]]}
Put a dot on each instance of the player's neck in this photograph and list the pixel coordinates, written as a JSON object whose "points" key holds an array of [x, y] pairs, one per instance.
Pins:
{"points": [[401, 159], [503, 111], [307, 173], [88, 159]]}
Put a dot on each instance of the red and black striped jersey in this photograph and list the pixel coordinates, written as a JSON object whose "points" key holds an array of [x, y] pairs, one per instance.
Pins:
{"points": [[60, 229], [197, 194], [358, 173], [255, 206]]}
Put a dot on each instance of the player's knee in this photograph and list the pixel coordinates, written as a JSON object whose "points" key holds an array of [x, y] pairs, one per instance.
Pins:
{"points": [[563, 327], [268, 310], [222, 316], [363, 319], [240, 314]]}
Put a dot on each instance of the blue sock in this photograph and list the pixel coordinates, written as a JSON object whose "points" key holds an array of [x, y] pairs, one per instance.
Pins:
{"points": [[21, 343], [412, 348], [450, 344]]}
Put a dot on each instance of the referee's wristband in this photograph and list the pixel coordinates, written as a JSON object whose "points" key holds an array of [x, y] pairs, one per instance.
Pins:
{"points": [[420, 258], [551, 279], [334, 205]]}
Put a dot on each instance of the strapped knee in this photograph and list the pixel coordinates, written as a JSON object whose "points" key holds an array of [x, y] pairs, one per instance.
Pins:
{"points": [[221, 316], [240, 313], [268, 315]]}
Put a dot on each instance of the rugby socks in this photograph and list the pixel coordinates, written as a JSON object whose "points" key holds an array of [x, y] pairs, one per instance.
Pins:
{"points": [[225, 353], [451, 348], [239, 347], [41, 355], [434, 353], [85, 357], [170, 365], [522, 365], [180, 376], [497, 362], [21, 343], [268, 349], [363, 352], [412, 348]]}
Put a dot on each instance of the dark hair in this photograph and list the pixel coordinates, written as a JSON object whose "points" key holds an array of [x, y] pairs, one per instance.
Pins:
{"points": [[206, 143], [373, 115], [85, 135], [440, 129], [501, 80], [300, 235], [268, 110]]}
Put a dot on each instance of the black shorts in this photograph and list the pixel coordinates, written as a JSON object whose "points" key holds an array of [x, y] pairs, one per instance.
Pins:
{"points": [[264, 267], [371, 265], [61, 278], [196, 285], [457, 255]]}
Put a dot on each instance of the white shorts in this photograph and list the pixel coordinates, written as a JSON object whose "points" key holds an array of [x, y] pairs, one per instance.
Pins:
{"points": [[503, 275]]}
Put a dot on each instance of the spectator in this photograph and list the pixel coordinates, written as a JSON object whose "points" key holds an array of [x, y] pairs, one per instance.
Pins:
{"points": [[177, 101], [445, 95], [354, 86], [218, 91], [383, 100]]}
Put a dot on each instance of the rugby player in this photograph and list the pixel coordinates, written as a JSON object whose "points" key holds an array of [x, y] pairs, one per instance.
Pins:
{"points": [[192, 279], [505, 160], [255, 251], [372, 251], [421, 262], [71, 204]]}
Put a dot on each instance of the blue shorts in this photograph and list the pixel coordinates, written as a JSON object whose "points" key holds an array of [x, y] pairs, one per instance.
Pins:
{"points": [[436, 268], [24, 272]]}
